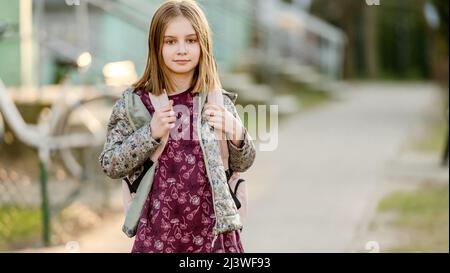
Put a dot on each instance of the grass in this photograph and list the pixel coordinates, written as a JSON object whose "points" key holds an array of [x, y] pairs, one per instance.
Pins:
{"points": [[306, 96], [19, 226], [434, 141], [309, 98], [437, 131], [422, 214], [418, 220]]}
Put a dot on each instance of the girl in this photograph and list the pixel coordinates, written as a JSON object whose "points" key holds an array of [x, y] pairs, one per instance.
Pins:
{"points": [[189, 207]]}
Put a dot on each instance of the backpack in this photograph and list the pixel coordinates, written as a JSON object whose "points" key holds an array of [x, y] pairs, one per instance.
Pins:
{"points": [[238, 189]]}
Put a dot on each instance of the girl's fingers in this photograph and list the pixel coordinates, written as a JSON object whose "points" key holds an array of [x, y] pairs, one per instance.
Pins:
{"points": [[213, 107], [169, 120], [168, 123], [217, 125], [168, 107], [216, 119], [209, 109], [212, 113], [166, 111], [170, 114], [216, 107], [163, 115]]}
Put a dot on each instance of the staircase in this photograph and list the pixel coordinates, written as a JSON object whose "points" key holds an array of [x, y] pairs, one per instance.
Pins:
{"points": [[300, 46]]}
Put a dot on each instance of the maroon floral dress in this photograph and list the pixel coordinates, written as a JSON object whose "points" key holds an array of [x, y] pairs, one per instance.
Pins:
{"points": [[178, 215]]}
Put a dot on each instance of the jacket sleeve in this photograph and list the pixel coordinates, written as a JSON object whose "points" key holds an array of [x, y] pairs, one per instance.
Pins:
{"points": [[125, 149], [240, 158]]}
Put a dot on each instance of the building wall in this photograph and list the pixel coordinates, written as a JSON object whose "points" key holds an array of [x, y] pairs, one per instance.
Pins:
{"points": [[111, 37], [228, 20], [10, 46]]}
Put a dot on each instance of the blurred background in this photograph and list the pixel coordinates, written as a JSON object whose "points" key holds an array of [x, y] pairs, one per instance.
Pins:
{"points": [[361, 87]]}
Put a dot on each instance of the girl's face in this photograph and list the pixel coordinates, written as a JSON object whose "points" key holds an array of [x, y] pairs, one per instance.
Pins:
{"points": [[181, 49]]}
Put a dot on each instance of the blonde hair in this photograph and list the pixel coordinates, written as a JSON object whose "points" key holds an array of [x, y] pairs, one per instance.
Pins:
{"points": [[155, 77]]}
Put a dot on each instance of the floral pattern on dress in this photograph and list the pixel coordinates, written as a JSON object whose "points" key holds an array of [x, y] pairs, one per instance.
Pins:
{"points": [[178, 215]]}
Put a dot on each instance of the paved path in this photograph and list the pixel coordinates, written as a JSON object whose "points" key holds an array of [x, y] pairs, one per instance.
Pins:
{"points": [[321, 183]]}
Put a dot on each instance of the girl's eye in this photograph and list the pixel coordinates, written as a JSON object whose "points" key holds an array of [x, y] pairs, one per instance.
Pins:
{"points": [[172, 42]]}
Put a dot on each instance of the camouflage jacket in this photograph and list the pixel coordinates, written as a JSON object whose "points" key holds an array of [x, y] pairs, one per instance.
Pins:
{"points": [[129, 144]]}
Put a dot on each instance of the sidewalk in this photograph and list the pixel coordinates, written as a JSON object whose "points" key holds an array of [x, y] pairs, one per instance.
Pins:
{"points": [[107, 237], [330, 165]]}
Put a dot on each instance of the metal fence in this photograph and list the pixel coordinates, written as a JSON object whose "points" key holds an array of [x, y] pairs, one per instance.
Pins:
{"points": [[73, 206], [51, 183]]}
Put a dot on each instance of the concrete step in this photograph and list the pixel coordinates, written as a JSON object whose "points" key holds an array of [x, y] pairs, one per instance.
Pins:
{"points": [[287, 104], [247, 89], [301, 73]]}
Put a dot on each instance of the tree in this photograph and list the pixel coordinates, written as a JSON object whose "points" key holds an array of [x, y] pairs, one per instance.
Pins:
{"points": [[370, 39], [442, 9], [345, 14], [390, 40]]}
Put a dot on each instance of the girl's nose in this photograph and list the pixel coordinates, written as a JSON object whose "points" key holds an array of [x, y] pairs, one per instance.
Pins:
{"points": [[182, 48]]}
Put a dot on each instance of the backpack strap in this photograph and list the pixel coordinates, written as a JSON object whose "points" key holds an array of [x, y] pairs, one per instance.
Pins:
{"points": [[159, 102], [133, 204], [138, 115], [216, 97]]}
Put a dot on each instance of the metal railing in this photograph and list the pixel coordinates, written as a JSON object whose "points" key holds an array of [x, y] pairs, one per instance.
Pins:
{"points": [[295, 38]]}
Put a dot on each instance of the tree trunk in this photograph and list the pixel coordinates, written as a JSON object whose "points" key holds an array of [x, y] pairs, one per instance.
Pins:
{"points": [[371, 46]]}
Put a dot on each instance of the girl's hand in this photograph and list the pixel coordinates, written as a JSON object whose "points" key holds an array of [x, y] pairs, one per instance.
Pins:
{"points": [[220, 119], [162, 121]]}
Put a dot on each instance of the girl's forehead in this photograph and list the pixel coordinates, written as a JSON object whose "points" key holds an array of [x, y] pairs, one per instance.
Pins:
{"points": [[179, 26], [174, 35]]}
